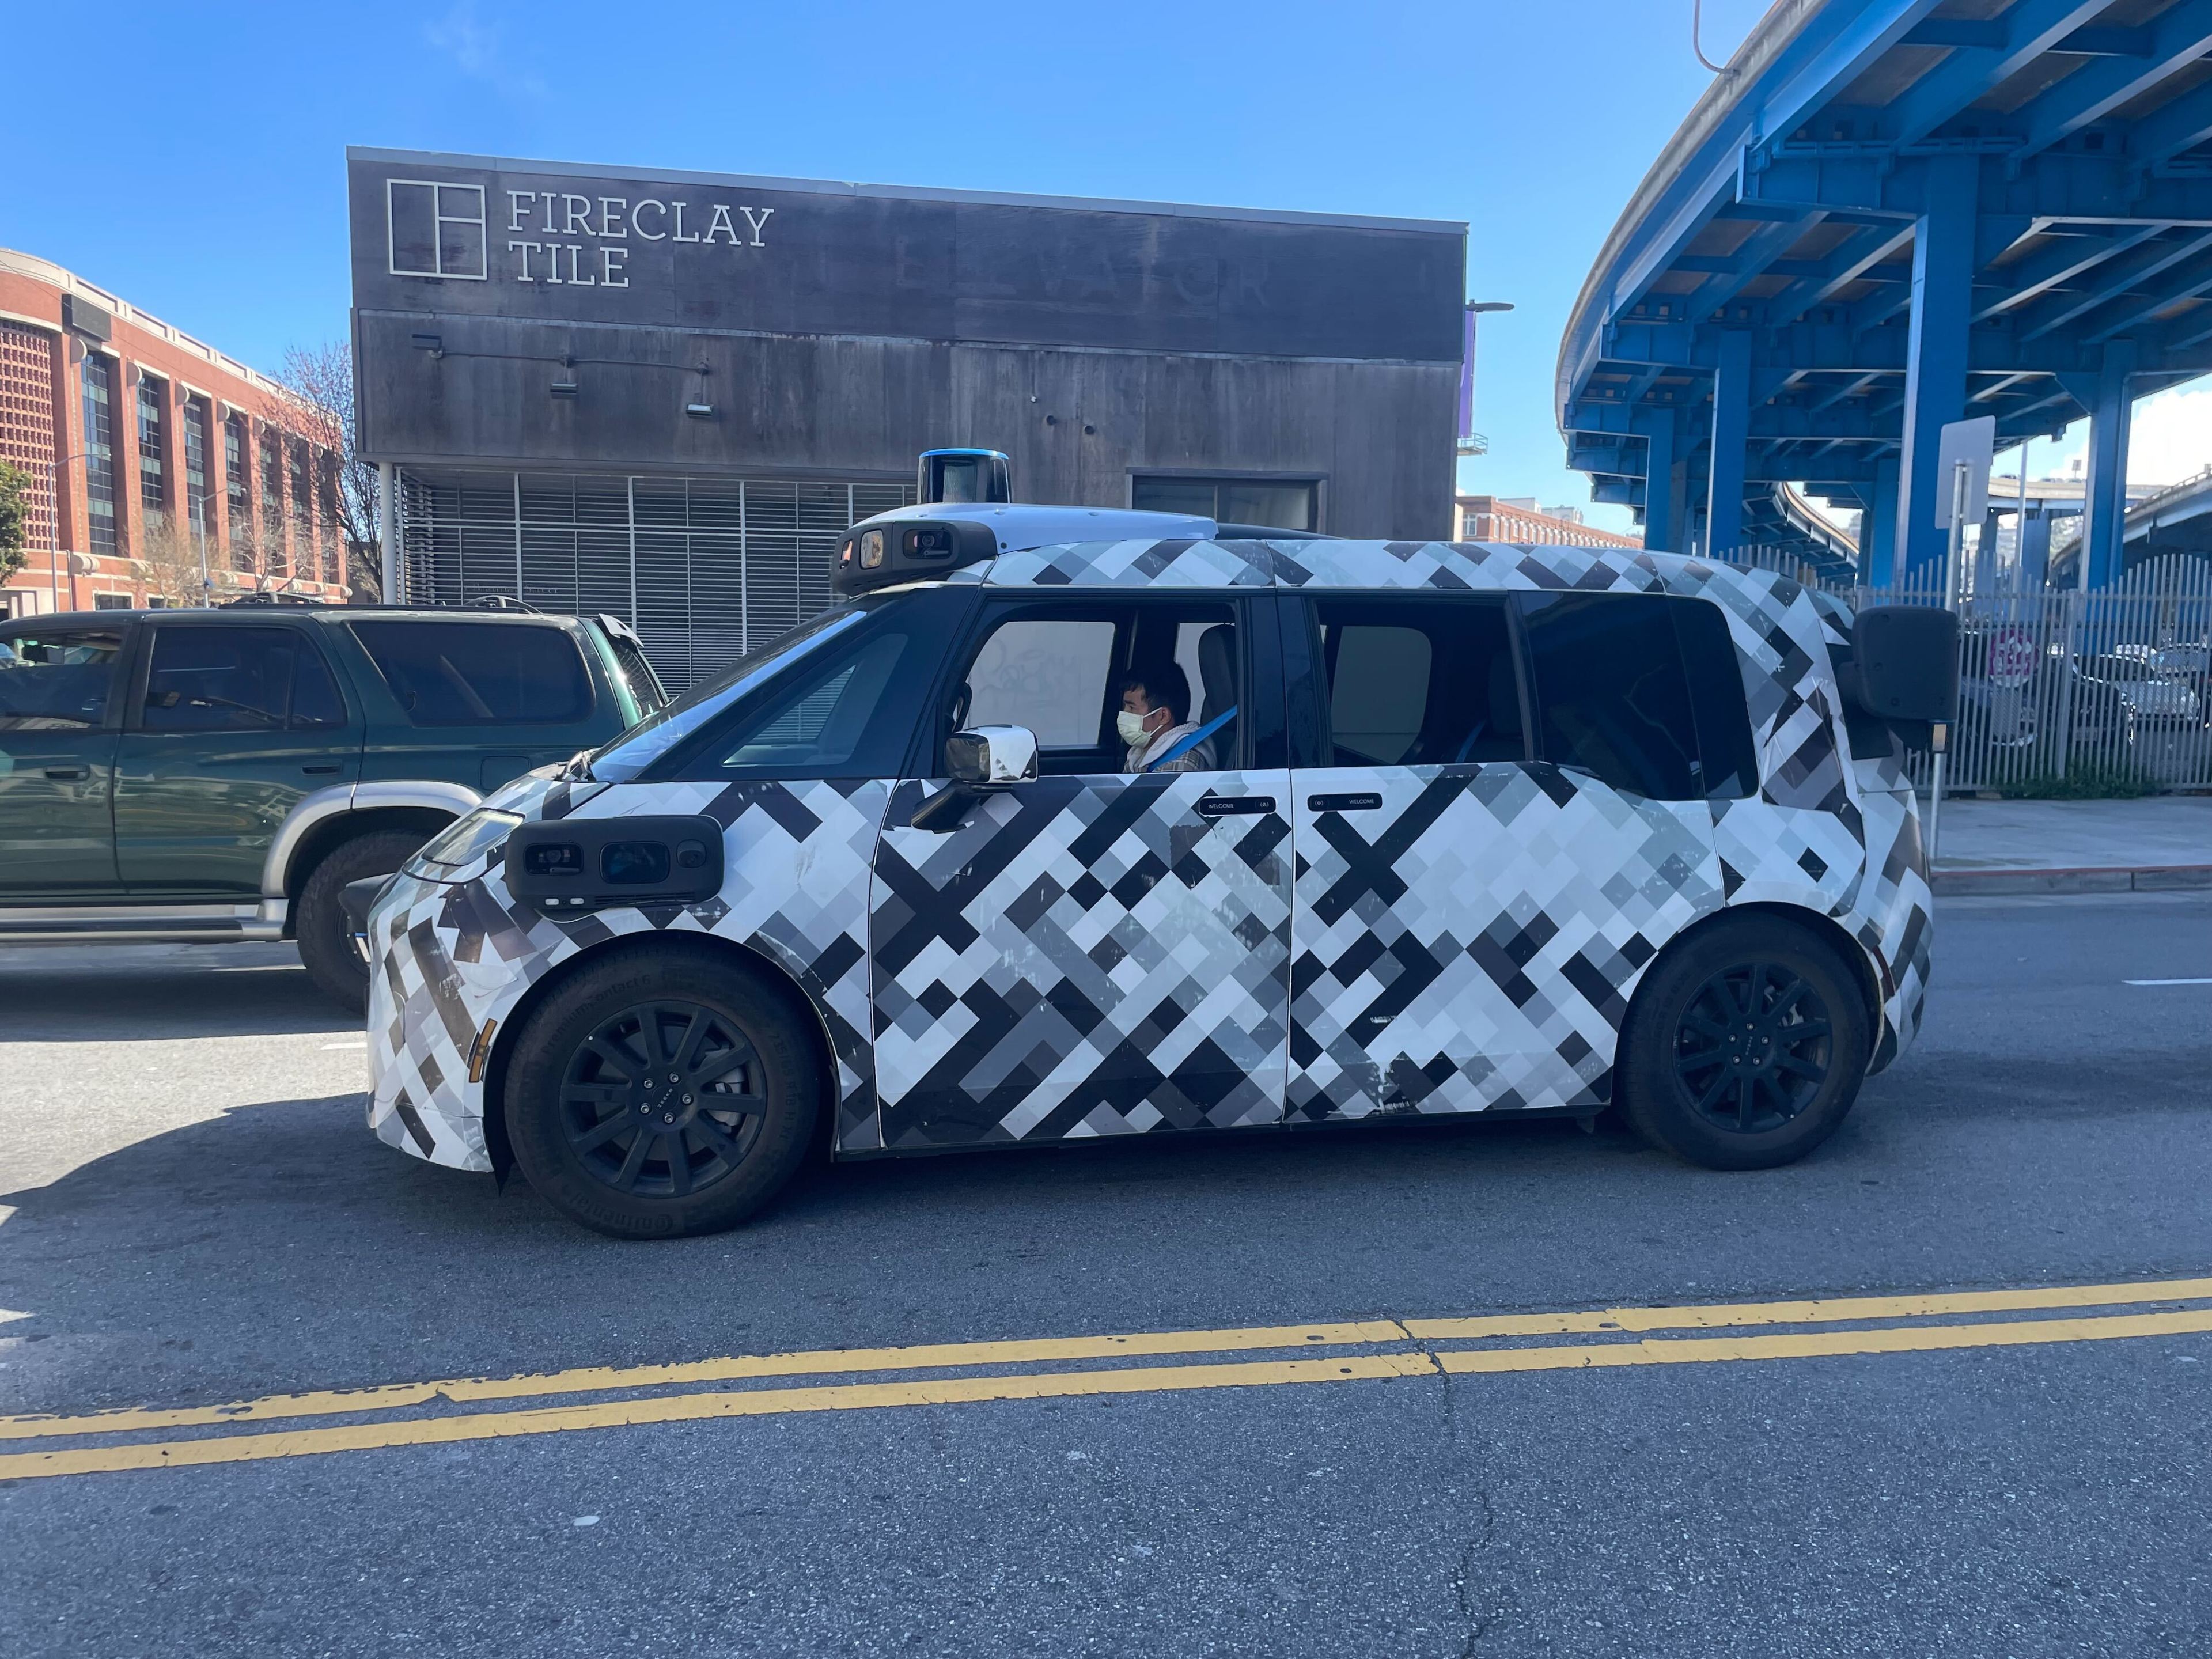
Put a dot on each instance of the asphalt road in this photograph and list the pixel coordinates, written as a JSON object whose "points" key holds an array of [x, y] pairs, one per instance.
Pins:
{"points": [[199, 1217]]}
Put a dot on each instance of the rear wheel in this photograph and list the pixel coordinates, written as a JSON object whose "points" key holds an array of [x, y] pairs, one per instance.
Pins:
{"points": [[1745, 1048], [333, 957], [656, 1096]]}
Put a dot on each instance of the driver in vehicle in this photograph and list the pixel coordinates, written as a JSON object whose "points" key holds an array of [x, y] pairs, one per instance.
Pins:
{"points": [[1155, 722]]}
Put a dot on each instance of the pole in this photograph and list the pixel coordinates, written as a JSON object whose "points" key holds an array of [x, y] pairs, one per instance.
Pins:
{"points": [[1961, 482], [387, 531]]}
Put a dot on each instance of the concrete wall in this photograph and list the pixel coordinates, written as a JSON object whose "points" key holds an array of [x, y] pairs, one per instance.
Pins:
{"points": [[844, 329]]}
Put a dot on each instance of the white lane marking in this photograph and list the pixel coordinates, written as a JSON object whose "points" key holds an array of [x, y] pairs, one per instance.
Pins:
{"points": [[363, 1044], [2208, 980]]}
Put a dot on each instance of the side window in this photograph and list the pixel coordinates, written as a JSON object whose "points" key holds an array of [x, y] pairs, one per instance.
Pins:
{"points": [[55, 681], [316, 704], [1077, 674], [1709, 656], [218, 679], [1613, 692], [845, 711], [1419, 682], [459, 673], [1049, 675]]}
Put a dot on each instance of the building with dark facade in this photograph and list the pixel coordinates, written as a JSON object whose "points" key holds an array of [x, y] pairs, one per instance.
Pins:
{"points": [[664, 396]]}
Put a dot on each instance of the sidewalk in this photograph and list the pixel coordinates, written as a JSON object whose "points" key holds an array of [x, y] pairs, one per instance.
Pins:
{"points": [[2161, 841]]}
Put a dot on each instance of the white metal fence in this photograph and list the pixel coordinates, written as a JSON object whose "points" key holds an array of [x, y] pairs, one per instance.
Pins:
{"points": [[2093, 688]]}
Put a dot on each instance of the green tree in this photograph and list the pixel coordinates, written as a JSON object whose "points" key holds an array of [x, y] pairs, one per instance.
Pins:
{"points": [[14, 517]]}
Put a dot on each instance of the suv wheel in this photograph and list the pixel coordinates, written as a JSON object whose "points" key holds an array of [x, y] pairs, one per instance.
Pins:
{"points": [[1745, 1048], [653, 1097], [333, 957]]}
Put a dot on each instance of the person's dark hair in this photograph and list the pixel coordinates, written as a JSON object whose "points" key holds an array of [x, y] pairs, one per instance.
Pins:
{"points": [[1164, 685]]}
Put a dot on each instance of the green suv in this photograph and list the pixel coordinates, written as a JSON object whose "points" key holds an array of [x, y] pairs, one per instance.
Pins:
{"points": [[219, 774]]}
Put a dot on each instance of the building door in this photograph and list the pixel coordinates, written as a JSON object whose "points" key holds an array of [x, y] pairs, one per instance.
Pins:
{"points": [[58, 694], [238, 721], [1100, 950]]}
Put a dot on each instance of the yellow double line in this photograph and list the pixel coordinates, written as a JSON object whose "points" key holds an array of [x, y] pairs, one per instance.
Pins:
{"points": [[421, 1415]]}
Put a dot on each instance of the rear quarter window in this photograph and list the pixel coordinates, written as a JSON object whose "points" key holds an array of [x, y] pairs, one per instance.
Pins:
{"points": [[1641, 692], [462, 673]]}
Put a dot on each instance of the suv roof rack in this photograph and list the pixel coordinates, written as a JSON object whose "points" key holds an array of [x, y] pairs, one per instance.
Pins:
{"points": [[498, 602], [268, 598]]}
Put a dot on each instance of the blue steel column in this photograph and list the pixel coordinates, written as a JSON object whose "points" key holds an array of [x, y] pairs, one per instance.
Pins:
{"points": [[1878, 559], [1731, 432], [2106, 504], [1662, 525], [1935, 358]]}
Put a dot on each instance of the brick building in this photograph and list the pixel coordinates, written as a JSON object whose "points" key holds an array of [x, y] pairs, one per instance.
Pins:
{"points": [[161, 471], [1518, 518]]}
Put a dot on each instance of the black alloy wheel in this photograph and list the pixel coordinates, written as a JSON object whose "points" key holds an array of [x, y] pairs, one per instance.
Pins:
{"points": [[665, 1090], [1745, 1043], [663, 1100], [1753, 1048]]}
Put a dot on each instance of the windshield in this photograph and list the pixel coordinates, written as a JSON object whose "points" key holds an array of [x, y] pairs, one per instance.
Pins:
{"points": [[653, 737]]}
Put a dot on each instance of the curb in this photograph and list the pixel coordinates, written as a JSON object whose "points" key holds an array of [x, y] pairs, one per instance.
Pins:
{"points": [[2153, 879]]}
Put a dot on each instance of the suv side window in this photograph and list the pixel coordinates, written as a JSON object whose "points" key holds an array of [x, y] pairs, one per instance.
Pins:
{"points": [[1419, 682], [53, 681], [464, 673], [1616, 698], [1048, 674], [237, 679]]}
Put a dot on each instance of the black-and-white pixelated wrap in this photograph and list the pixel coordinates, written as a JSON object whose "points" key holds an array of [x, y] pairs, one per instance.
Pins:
{"points": [[1089, 956]]}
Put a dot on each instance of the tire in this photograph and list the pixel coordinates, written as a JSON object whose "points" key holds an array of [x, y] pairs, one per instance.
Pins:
{"points": [[1744, 1048], [325, 938], [580, 1088]]}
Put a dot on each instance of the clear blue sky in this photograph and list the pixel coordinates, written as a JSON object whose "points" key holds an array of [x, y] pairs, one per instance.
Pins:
{"points": [[190, 158]]}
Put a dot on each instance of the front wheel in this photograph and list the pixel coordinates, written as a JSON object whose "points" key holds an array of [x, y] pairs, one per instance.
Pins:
{"points": [[330, 953], [657, 1096], [1745, 1048]]}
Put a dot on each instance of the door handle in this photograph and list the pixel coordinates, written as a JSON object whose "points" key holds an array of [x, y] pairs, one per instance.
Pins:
{"points": [[68, 774], [320, 769], [1359, 801], [1235, 807]]}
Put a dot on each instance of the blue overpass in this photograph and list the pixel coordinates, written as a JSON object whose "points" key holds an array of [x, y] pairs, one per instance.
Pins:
{"points": [[1887, 216]]}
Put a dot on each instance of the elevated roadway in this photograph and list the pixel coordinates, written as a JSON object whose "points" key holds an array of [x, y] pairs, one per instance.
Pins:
{"points": [[1886, 216]]}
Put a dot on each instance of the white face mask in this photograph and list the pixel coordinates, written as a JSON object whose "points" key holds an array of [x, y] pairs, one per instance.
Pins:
{"points": [[1132, 728]]}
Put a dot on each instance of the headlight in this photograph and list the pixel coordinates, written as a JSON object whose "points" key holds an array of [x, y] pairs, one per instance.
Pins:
{"points": [[462, 842]]}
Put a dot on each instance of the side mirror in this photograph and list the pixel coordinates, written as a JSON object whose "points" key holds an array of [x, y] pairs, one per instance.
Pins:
{"points": [[979, 760], [1903, 670], [992, 757]]}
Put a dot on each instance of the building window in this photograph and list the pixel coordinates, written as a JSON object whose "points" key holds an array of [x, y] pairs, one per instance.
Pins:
{"points": [[153, 406], [329, 536], [272, 501], [27, 363], [236, 480], [303, 508], [436, 230], [196, 463], [100, 451], [1278, 503]]}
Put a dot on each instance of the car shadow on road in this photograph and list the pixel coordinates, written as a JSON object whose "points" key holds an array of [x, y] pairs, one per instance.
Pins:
{"points": [[95, 994]]}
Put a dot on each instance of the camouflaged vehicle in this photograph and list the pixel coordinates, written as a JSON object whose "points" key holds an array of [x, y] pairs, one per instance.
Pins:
{"points": [[1471, 828]]}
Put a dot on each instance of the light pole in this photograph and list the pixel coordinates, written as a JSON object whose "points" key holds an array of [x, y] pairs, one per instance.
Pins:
{"points": [[54, 554]]}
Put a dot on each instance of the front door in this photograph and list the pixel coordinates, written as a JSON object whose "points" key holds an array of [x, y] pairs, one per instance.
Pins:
{"points": [[1104, 950], [237, 721], [58, 694]]}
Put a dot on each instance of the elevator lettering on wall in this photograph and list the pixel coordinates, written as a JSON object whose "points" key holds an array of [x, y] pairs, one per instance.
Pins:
{"points": [[554, 236], [607, 225]]}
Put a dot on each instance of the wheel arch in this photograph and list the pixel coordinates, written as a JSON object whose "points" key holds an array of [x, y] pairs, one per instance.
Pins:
{"points": [[319, 821], [732, 952], [1867, 972]]}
